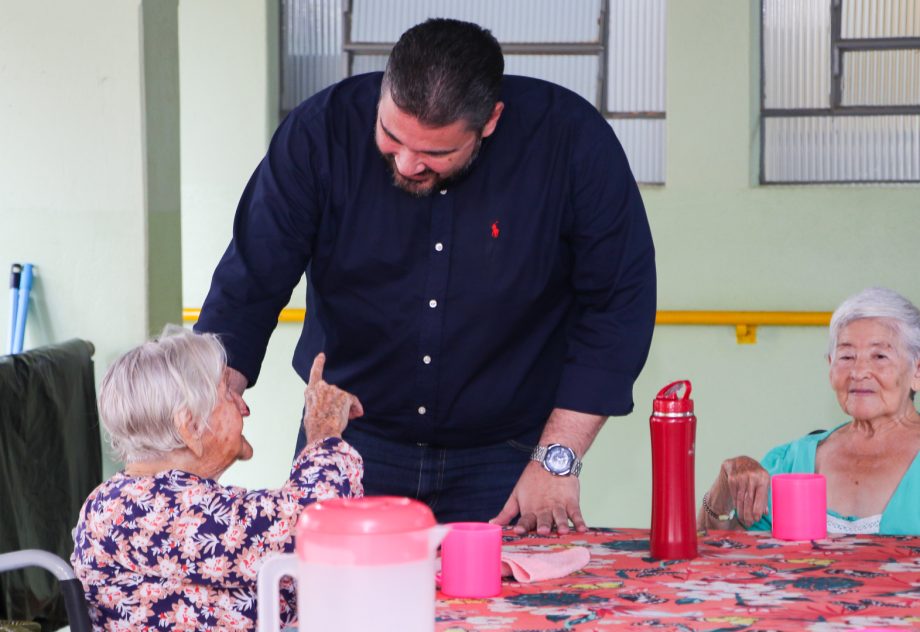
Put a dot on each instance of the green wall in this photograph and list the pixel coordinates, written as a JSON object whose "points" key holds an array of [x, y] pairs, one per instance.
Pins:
{"points": [[89, 174], [723, 243]]}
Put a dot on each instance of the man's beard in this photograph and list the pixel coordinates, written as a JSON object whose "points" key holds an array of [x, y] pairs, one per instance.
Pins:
{"points": [[423, 188]]}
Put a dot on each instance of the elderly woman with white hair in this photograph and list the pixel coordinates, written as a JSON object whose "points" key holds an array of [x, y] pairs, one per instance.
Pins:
{"points": [[163, 545], [870, 463]]}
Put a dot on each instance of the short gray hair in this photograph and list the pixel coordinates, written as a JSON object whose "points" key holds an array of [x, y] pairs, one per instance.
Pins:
{"points": [[879, 302], [174, 374]]}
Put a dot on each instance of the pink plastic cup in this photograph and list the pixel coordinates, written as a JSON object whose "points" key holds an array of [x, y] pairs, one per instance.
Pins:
{"points": [[799, 506], [471, 560]]}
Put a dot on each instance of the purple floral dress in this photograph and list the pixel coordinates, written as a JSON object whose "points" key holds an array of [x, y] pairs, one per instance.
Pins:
{"points": [[179, 552]]}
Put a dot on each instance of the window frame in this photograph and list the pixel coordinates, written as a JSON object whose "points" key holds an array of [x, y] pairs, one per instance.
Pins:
{"points": [[599, 47], [839, 46]]}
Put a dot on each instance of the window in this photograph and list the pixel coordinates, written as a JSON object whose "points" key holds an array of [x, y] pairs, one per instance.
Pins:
{"points": [[611, 52], [840, 91]]}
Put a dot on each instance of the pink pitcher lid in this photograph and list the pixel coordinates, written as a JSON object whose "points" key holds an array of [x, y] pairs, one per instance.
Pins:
{"points": [[369, 531], [368, 515]]}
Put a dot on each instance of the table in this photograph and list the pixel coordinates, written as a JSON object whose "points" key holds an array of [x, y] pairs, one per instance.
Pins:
{"points": [[740, 581]]}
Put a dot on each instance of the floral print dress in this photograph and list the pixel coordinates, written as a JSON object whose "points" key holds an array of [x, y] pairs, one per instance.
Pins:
{"points": [[178, 552]]}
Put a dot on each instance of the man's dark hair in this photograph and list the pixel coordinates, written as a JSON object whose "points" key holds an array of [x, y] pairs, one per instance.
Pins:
{"points": [[442, 71]]}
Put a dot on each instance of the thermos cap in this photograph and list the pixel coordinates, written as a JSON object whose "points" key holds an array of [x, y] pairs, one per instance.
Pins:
{"points": [[667, 401]]}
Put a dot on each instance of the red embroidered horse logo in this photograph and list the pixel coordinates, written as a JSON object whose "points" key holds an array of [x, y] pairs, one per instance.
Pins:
{"points": [[495, 229]]}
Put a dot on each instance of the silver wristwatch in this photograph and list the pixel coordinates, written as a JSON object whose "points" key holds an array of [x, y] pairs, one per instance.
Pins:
{"points": [[557, 459]]}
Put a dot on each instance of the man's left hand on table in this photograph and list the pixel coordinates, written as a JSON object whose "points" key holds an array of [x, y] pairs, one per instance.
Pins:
{"points": [[543, 501]]}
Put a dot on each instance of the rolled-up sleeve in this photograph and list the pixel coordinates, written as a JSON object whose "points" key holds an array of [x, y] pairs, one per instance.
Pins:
{"points": [[273, 232], [613, 278]]}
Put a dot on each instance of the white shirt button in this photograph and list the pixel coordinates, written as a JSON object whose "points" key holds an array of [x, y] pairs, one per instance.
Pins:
{"points": [[422, 410], [439, 246], [443, 191], [427, 359], [432, 303]]}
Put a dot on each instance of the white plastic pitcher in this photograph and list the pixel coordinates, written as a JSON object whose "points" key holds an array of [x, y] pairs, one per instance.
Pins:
{"points": [[360, 564]]}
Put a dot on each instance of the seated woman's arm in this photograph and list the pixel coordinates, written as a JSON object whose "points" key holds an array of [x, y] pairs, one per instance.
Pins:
{"points": [[261, 523], [327, 467], [737, 498]]}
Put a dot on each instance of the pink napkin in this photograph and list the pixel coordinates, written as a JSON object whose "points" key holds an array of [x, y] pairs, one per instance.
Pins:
{"points": [[534, 567]]}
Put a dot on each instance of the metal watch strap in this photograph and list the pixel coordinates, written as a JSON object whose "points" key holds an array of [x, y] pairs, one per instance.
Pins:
{"points": [[576, 468], [539, 453]]}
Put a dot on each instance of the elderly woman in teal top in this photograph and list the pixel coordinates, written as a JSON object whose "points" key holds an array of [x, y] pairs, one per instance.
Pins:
{"points": [[870, 463]]}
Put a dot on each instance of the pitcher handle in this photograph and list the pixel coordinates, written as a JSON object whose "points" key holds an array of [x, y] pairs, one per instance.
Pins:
{"points": [[269, 597]]}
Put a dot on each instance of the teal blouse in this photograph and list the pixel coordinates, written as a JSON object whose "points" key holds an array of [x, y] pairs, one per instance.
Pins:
{"points": [[901, 515]]}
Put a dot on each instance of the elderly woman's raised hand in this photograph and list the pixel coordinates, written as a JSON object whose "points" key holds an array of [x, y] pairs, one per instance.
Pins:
{"points": [[746, 483], [328, 408]]}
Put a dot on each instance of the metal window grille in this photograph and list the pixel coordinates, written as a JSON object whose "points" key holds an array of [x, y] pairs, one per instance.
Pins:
{"points": [[611, 52], [840, 91]]}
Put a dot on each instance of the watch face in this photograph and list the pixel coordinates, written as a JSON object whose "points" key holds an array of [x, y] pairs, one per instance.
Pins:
{"points": [[559, 459]]}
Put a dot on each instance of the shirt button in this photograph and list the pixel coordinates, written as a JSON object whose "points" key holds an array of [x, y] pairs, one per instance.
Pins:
{"points": [[422, 410], [432, 303], [443, 191], [439, 246], [427, 359]]}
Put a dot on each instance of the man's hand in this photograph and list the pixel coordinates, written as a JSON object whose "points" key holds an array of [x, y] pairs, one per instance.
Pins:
{"points": [[543, 501]]}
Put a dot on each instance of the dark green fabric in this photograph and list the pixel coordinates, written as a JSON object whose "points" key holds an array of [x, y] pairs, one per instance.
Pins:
{"points": [[19, 626], [50, 459]]}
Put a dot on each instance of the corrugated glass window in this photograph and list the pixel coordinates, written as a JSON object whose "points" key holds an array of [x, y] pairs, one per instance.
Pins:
{"points": [[840, 91], [611, 52]]}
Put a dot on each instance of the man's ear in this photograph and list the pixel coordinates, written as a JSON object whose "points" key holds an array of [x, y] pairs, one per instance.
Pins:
{"points": [[489, 127], [189, 432]]}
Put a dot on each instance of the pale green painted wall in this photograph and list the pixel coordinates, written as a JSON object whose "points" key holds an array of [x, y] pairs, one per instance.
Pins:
{"points": [[229, 86], [723, 243], [228, 116], [78, 176]]}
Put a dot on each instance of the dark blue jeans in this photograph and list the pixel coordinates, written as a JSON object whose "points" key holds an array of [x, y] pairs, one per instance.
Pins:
{"points": [[459, 484]]}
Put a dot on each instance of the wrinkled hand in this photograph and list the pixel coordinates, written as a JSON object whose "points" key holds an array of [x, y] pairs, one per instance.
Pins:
{"points": [[328, 408], [543, 500], [747, 483]]}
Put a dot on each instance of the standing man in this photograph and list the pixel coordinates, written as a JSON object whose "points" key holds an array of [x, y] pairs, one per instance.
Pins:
{"points": [[480, 274]]}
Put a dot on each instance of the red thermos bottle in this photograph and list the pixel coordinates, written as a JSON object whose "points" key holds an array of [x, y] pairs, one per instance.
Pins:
{"points": [[673, 430]]}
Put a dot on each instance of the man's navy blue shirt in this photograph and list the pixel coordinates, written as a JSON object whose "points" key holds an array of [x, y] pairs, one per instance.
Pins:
{"points": [[464, 317]]}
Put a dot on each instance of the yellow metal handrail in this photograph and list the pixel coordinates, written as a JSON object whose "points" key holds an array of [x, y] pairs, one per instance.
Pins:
{"points": [[287, 315], [745, 323]]}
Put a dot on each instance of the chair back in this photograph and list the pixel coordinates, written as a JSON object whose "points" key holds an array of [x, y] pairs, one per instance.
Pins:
{"points": [[71, 588], [50, 460]]}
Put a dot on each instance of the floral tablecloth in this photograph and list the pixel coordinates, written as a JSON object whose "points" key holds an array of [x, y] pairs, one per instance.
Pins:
{"points": [[740, 581]]}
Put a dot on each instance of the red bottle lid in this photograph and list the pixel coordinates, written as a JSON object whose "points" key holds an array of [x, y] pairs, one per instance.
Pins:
{"points": [[667, 401]]}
